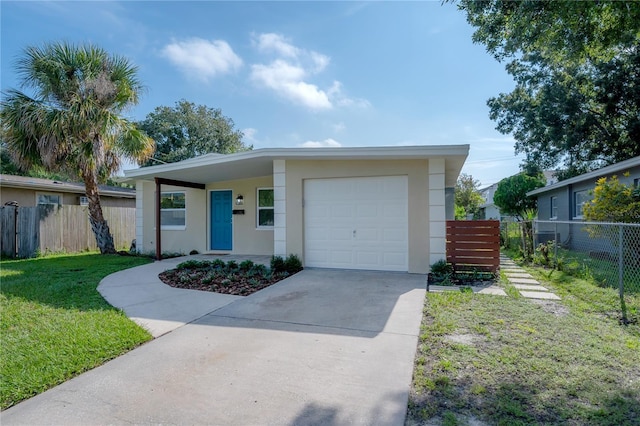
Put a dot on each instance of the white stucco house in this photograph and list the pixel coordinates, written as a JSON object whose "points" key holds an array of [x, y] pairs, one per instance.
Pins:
{"points": [[375, 208]]}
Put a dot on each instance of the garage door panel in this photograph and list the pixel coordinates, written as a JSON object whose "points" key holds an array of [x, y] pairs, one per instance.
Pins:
{"points": [[375, 208]]}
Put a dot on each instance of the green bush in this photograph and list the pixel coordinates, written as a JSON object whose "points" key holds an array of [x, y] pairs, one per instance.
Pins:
{"points": [[218, 264], [191, 264], [277, 264], [293, 264], [246, 265], [441, 268]]}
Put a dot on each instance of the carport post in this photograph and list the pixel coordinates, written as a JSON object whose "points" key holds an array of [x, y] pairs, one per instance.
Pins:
{"points": [[158, 224]]}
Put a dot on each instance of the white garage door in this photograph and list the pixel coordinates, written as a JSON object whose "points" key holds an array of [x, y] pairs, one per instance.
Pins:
{"points": [[356, 223]]}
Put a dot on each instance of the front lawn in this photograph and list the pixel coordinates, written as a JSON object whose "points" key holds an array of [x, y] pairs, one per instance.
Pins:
{"points": [[55, 325], [515, 361]]}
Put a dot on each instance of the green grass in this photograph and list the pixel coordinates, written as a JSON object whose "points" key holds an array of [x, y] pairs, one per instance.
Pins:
{"points": [[512, 361], [54, 323]]}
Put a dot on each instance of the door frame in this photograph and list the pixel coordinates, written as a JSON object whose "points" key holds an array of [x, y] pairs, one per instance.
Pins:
{"points": [[210, 221]]}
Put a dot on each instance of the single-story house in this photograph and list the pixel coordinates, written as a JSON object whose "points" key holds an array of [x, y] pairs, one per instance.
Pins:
{"points": [[376, 208], [29, 191], [563, 202]]}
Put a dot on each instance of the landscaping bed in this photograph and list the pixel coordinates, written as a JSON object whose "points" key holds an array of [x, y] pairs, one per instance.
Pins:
{"points": [[239, 279]]}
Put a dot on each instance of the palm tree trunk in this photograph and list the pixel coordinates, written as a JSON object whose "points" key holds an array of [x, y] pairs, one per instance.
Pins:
{"points": [[99, 225]]}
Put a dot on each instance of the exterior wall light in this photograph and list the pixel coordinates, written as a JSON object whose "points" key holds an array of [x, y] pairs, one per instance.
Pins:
{"points": [[239, 200]]}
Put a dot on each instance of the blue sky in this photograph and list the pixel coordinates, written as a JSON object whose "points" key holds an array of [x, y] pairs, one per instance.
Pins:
{"points": [[294, 74]]}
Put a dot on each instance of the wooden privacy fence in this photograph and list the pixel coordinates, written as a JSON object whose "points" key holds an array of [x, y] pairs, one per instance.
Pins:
{"points": [[473, 245], [49, 228]]}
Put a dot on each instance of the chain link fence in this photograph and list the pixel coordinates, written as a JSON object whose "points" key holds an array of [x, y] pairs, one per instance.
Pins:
{"points": [[608, 253]]}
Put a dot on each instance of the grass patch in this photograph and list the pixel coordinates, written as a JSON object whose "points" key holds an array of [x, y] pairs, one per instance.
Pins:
{"points": [[511, 361], [54, 323]]}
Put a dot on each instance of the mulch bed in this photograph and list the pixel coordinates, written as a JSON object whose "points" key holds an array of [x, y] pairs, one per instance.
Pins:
{"points": [[234, 283]]}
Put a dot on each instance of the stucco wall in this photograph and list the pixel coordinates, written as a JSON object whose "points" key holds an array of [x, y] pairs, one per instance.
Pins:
{"points": [[246, 238], [418, 186]]}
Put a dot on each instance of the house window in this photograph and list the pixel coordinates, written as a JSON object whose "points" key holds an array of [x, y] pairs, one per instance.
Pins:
{"points": [[554, 208], [265, 208], [579, 199], [46, 199], [173, 208], [84, 201], [636, 183]]}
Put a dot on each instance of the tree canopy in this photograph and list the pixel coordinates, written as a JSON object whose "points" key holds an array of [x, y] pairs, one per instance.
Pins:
{"points": [[71, 121], [188, 130], [511, 194], [467, 198], [576, 66]]}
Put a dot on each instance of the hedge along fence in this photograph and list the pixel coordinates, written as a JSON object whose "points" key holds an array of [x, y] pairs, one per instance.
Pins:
{"points": [[473, 245], [49, 228]]}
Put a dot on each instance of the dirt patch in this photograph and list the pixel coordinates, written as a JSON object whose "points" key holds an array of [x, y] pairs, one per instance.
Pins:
{"points": [[464, 339], [552, 307]]}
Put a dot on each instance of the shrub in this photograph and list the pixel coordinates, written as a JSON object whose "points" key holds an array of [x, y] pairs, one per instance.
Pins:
{"points": [[293, 264], [218, 264], [441, 268], [232, 265], [277, 264], [246, 265], [192, 264]]}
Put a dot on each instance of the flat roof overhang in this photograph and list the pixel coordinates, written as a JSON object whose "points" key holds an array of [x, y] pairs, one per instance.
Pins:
{"points": [[250, 164]]}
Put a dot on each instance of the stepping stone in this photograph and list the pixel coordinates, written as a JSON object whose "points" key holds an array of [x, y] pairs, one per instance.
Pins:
{"points": [[530, 287], [511, 269], [443, 288], [523, 281], [510, 274], [493, 290], [539, 295]]}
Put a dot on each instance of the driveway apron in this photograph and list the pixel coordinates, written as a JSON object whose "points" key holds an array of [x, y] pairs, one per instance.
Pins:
{"points": [[322, 347]]}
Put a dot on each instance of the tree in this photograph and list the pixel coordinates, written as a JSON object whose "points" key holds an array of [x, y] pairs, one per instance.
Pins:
{"points": [[613, 201], [73, 122], [511, 195], [467, 198], [187, 131], [576, 67]]}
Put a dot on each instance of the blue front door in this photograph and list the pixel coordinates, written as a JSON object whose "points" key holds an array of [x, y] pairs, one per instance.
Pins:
{"points": [[221, 226]]}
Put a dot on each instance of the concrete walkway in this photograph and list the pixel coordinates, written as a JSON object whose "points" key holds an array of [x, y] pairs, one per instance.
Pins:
{"points": [[321, 347], [526, 285]]}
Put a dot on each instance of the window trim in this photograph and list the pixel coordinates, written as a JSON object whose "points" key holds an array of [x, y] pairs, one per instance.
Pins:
{"points": [[575, 203], [57, 194], [553, 205], [164, 227], [258, 208]]}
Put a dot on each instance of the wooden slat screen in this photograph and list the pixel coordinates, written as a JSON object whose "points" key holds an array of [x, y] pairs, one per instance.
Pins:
{"points": [[473, 245]]}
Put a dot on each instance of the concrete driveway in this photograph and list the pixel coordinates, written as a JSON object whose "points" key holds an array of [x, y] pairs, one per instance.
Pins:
{"points": [[322, 347]]}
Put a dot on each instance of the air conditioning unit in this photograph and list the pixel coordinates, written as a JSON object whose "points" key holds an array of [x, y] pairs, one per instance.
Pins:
{"points": [[84, 201]]}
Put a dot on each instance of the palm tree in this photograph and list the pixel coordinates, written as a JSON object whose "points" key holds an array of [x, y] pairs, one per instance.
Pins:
{"points": [[72, 121]]}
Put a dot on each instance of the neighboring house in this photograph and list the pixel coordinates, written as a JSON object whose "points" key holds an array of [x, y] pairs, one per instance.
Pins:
{"points": [[564, 200], [488, 210], [377, 208], [28, 192]]}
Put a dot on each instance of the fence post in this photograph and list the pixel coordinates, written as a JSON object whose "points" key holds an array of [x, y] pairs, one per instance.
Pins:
{"points": [[555, 242], [621, 272]]}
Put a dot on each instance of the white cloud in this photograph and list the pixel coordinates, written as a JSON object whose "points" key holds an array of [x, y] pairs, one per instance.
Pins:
{"points": [[249, 134], [291, 72], [338, 127], [287, 80], [332, 143], [277, 43], [202, 59]]}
